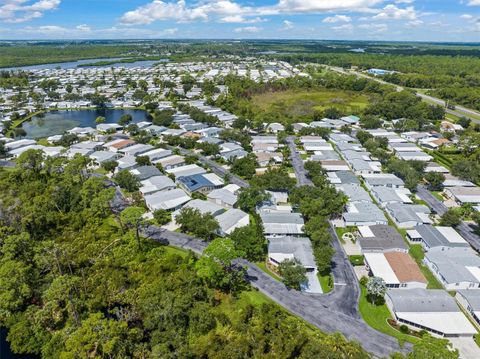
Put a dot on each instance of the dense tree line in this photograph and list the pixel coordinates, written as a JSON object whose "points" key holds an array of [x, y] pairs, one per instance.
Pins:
{"points": [[75, 284]]}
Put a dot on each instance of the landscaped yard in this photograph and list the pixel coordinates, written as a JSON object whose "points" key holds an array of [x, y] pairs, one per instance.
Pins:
{"points": [[302, 104], [326, 281], [263, 267], [416, 251], [376, 316]]}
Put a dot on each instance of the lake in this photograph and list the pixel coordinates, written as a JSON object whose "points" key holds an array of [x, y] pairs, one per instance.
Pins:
{"points": [[75, 64], [58, 122]]}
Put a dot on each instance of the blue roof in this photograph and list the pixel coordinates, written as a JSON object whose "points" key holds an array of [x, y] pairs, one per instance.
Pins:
{"points": [[195, 182]]}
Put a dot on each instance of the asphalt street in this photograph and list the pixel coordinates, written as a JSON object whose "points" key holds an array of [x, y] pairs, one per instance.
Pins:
{"points": [[297, 163]]}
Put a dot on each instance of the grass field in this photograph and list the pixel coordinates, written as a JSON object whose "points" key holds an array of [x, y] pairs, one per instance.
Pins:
{"points": [[326, 281], [302, 104], [376, 316]]}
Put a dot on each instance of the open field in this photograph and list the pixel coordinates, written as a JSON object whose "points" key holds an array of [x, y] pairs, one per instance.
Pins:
{"points": [[303, 104]]}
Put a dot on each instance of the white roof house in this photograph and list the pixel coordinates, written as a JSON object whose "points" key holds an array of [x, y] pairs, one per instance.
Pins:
{"points": [[167, 200], [431, 310], [155, 184], [232, 219], [188, 170], [455, 267], [225, 197], [282, 224]]}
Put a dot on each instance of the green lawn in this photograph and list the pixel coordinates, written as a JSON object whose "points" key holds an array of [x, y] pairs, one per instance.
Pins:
{"points": [[326, 281], [416, 251], [437, 195], [376, 317], [357, 260], [263, 267]]}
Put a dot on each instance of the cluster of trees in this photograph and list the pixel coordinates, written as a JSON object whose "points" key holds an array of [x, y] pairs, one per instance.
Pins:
{"points": [[318, 204], [411, 172], [198, 115], [76, 284], [200, 225]]}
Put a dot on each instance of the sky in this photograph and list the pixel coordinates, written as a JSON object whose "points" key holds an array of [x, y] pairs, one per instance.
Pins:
{"points": [[392, 20]]}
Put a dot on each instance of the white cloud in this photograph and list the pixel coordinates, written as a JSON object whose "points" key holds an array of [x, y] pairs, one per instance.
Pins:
{"points": [[474, 3], [392, 12], [374, 28], [343, 28], [16, 11], [159, 10], [466, 16], [337, 18], [288, 25], [83, 27], [248, 29], [239, 19]]}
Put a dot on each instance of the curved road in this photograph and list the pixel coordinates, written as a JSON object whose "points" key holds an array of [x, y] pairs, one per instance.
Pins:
{"points": [[336, 311]]}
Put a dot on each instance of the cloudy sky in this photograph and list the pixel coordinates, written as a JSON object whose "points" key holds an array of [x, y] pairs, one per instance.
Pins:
{"points": [[419, 20]]}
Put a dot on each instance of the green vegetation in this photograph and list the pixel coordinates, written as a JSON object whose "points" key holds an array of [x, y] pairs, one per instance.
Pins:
{"points": [[302, 105], [263, 266], [357, 260], [326, 281], [416, 251], [376, 316], [75, 283]]}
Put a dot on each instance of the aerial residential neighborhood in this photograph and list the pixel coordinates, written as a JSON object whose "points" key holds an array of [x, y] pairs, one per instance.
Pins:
{"points": [[212, 179]]}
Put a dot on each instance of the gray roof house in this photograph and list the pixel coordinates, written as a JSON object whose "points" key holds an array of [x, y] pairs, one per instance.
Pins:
{"points": [[342, 177], [408, 215], [284, 248], [431, 310], [155, 184], [355, 193], [363, 214], [203, 207], [381, 238], [386, 195], [225, 197], [136, 150], [456, 268], [433, 237], [232, 219], [470, 301], [382, 179], [145, 172], [167, 200], [282, 224]]}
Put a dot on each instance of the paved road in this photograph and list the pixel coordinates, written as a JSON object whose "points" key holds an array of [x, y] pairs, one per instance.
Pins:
{"points": [[7, 164], [297, 163], [459, 111], [216, 168], [464, 228], [318, 310]]}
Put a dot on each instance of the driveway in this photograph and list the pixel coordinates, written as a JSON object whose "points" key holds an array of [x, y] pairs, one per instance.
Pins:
{"points": [[467, 347]]}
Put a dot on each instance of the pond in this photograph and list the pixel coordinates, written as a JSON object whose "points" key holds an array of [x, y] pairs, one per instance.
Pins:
{"points": [[58, 122]]}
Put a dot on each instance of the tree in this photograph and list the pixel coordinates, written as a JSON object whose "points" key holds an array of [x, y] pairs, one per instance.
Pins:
{"points": [[249, 241], [143, 160], [163, 118], [162, 217], [110, 165], [127, 181], [3, 150], [100, 119], [435, 180], [193, 221], [293, 273], [451, 218], [244, 167], [19, 132], [433, 348], [464, 122], [376, 289], [275, 179], [133, 217], [125, 120], [217, 268], [250, 197]]}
